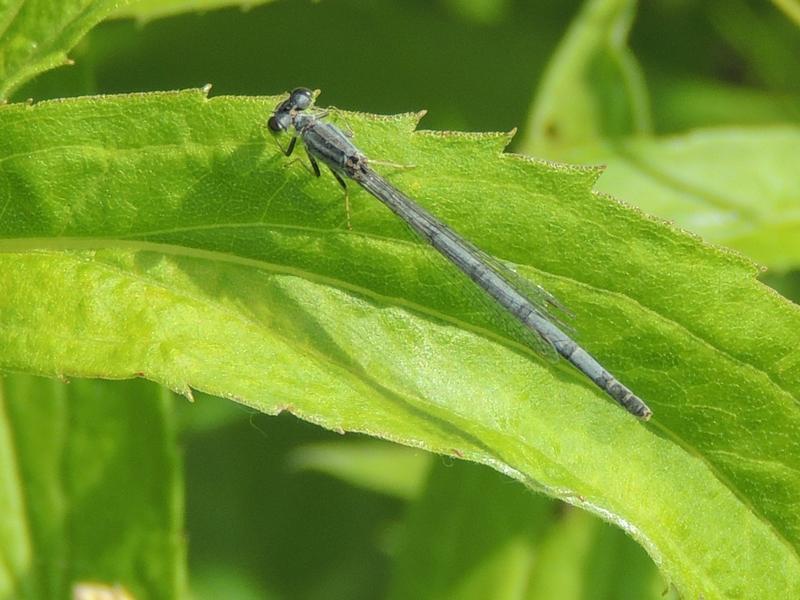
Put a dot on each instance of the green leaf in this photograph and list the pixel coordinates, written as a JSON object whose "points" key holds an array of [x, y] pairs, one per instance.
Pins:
{"points": [[260, 528], [165, 236], [790, 7], [592, 86], [582, 557], [149, 10], [762, 37], [91, 495], [734, 186], [35, 35], [512, 545], [686, 104], [373, 465], [473, 534]]}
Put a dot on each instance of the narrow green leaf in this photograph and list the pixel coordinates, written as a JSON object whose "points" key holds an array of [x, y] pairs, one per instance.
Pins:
{"points": [[373, 465], [734, 186], [35, 35], [91, 496], [164, 235], [592, 86], [581, 557], [472, 535]]}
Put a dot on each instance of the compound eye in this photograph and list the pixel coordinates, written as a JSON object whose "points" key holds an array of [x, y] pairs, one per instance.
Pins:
{"points": [[275, 124], [301, 98], [284, 106]]}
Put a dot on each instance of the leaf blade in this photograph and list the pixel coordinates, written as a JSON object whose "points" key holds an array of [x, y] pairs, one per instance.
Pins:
{"points": [[732, 186], [35, 36], [163, 236]]}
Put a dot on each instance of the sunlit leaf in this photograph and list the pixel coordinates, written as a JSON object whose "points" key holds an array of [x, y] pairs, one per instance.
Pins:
{"points": [[35, 35], [166, 236], [592, 86], [734, 186], [373, 465]]}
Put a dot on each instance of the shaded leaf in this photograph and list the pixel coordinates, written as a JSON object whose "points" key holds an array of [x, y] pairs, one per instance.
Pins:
{"points": [[259, 527], [581, 557], [91, 493], [686, 104], [766, 41], [473, 534]]}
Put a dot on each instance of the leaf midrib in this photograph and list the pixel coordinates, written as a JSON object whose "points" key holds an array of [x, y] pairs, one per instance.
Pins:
{"points": [[124, 242]]}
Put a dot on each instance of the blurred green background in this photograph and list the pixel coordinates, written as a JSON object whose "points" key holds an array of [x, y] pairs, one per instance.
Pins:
{"points": [[474, 64], [263, 509]]}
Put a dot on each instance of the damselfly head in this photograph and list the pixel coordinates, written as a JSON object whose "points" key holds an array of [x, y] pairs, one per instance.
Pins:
{"points": [[283, 116]]}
